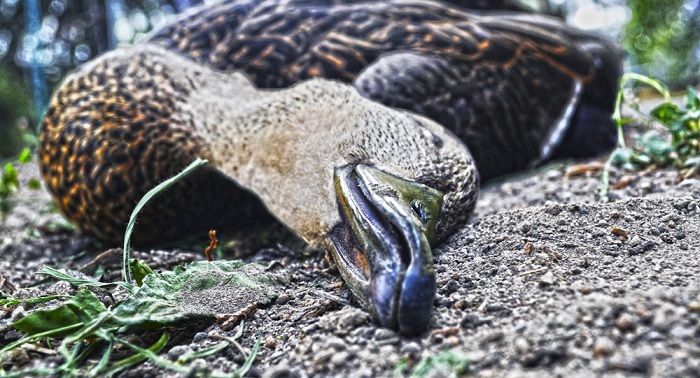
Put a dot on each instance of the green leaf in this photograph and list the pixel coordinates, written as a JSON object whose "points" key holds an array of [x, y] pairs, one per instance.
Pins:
{"points": [[141, 355], [249, 361], [34, 184], [621, 156], [692, 101], [193, 355], [198, 290], [139, 270], [82, 309], [25, 156], [642, 160], [77, 281], [667, 113], [142, 202], [10, 180], [656, 145], [447, 363], [624, 121], [9, 301]]}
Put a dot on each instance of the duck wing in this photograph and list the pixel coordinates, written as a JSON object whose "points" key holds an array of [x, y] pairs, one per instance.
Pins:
{"points": [[529, 89], [510, 85]]}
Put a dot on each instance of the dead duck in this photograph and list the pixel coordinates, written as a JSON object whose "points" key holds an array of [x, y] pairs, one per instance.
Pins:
{"points": [[378, 196], [378, 186]]}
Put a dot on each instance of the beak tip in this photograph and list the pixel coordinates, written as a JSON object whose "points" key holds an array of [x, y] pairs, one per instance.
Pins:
{"points": [[411, 315], [417, 304]]}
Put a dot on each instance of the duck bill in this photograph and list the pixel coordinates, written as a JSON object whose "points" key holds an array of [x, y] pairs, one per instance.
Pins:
{"points": [[382, 246]]}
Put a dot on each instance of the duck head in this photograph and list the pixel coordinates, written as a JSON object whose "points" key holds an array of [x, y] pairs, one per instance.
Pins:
{"points": [[378, 186]]}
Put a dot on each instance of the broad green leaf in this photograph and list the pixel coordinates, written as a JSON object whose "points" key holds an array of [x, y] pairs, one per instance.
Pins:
{"points": [[198, 290], [82, 308], [667, 113]]}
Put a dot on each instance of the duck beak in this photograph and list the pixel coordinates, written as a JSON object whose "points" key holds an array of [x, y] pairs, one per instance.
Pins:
{"points": [[382, 245]]}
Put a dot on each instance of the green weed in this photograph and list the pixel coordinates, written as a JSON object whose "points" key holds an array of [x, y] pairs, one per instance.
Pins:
{"points": [[679, 144], [447, 363], [9, 181], [82, 325]]}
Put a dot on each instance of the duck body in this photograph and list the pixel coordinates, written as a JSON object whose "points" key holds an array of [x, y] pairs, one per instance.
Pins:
{"points": [[311, 155], [343, 120], [517, 88]]}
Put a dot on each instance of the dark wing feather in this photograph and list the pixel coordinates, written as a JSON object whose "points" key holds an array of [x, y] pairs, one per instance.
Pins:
{"points": [[504, 115], [500, 81]]}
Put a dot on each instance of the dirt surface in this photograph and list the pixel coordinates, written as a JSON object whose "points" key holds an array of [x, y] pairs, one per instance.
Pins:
{"points": [[545, 279]]}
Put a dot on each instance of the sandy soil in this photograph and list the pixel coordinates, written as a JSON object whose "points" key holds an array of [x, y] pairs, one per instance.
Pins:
{"points": [[545, 279]]}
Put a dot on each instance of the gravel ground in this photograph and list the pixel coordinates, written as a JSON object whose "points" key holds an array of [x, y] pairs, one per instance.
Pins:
{"points": [[545, 280]]}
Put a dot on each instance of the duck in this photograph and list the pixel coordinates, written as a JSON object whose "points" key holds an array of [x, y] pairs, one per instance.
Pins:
{"points": [[365, 128]]}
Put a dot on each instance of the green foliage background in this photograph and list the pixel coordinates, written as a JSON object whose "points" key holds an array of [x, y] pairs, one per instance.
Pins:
{"points": [[663, 40]]}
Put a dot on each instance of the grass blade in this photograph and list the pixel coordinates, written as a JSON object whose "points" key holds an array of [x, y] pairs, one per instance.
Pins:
{"points": [[251, 358], [126, 269], [141, 355], [57, 274]]}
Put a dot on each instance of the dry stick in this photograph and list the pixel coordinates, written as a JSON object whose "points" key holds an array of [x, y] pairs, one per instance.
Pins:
{"points": [[538, 270]]}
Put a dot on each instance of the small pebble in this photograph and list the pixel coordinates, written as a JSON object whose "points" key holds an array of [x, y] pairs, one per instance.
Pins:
{"points": [[453, 341], [17, 314], [323, 356], [353, 318], [694, 306], [635, 241], [282, 299], [270, 342], [681, 204], [199, 337], [626, 322], [336, 343], [340, 358], [279, 371], [175, 352], [548, 279], [384, 333], [585, 290], [521, 345], [603, 347], [472, 321], [492, 337], [410, 348]]}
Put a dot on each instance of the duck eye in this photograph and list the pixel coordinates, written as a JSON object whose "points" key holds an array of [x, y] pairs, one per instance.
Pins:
{"points": [[419, 209]]}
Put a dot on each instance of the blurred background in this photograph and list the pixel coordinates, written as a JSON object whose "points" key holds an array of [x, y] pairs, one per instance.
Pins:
{"points": [[42, 40]]}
